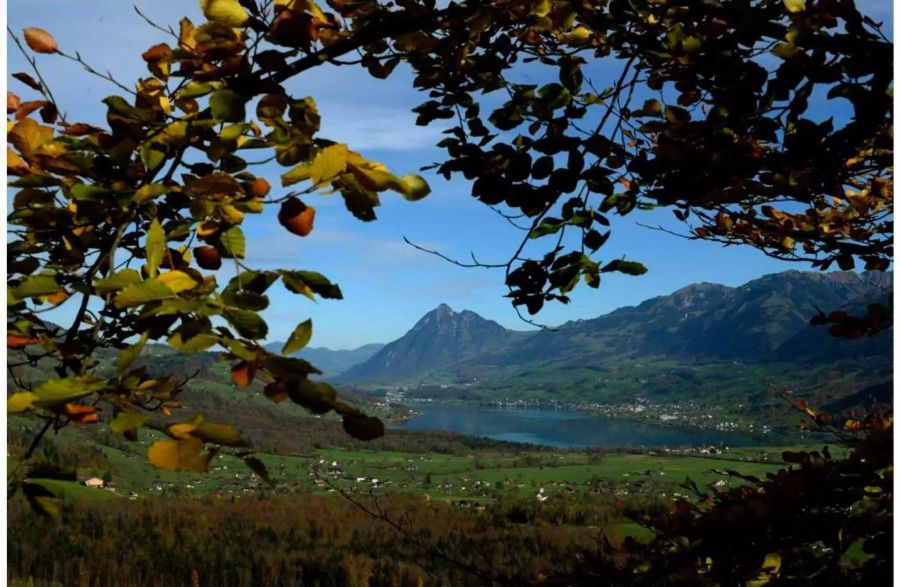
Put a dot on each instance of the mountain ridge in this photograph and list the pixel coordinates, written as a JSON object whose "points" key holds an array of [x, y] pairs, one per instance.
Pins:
{"points": [[764, 320]]}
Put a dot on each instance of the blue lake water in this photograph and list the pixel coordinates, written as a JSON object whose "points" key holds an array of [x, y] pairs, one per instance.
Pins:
{"points": [[563, 428]]}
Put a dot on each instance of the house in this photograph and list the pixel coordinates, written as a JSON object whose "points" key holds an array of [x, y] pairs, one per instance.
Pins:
{"points": [[95, 482]]}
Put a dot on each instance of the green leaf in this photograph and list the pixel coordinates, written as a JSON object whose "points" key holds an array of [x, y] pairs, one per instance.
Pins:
{"points": [[84, 191], [41, 499], [150, 290], [128, 355], [308, 283], [117, 281], [259, 468], [126, 422], [234, 243], [195, 89], [626, 267], [155, 247], [55, 392], [152, 155], [248, 324], [795, 5], [233, 131], [413, 187], [196, 343], [34, 286], [299, 338], [316, 396], [227, 105], [363, 427], [20, 402]]}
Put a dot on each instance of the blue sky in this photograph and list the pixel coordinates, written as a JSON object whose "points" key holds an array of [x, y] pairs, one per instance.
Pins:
{"points": [[387, 284]]}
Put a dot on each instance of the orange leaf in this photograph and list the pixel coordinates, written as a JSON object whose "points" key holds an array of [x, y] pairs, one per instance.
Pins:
{"points": [[17, 341], [40, 40], [243, 373], [296, 216], [80, 414], [259, 188]]}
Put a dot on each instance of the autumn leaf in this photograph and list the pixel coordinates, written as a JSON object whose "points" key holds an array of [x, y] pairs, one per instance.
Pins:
{"points": [[208, 257], [40, 40], [296, 216], [12, 102], [176, 455], [242, 373], [228, 12], [80, 414], [328, 163]]}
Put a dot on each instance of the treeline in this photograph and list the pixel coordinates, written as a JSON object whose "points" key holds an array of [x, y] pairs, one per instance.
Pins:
{"points": [[313, 541]]}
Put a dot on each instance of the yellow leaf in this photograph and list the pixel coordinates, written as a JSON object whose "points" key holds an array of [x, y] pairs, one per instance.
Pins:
{"points": [[175, 455], [27, 136], [228, 12], [178, 281], [328, 163], [14, 163], [541, 8], [155, 247], [183, 430], [795, 5], [148, 192], [296, 175], [19, 402]]}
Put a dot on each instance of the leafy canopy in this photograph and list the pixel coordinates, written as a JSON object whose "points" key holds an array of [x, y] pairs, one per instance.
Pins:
{"points": [[709, 116]]}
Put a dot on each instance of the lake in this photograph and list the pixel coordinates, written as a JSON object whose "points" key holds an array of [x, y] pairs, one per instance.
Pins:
{"points": [[563, 428]]}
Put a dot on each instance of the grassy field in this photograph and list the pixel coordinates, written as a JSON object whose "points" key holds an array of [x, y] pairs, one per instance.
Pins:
{"points": [[484, 475]]}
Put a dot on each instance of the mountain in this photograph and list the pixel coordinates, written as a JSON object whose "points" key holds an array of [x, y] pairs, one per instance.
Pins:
{"points": [[331, 362], [683, 343], [441, 337], [763, 319]]}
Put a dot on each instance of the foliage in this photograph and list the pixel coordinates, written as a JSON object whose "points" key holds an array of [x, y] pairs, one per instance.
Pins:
{"points": [[827, 520], [130, 222]]}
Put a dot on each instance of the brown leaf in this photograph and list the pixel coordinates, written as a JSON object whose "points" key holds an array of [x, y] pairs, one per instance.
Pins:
{"points": [[208, 257], [276, 391], [12, 102], [26, 108], [27, 80], [40, 40], [296, 216], [79, 129], [156, 52], [49, 113]]}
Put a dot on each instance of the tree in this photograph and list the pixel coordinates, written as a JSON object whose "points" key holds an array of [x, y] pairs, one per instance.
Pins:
{"points": [[710, 116]]}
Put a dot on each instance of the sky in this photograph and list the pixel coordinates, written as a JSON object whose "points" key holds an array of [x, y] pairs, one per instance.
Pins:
{"points": [[387, 284]]}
